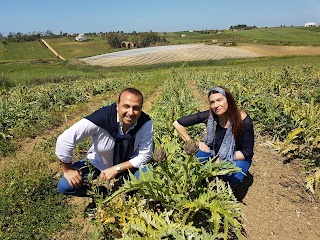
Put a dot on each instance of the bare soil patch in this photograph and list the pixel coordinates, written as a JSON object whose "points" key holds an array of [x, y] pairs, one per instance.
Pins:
{"points": [[270, 50]]}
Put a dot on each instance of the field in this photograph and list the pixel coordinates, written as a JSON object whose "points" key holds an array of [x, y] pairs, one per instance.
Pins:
{"points": [[269, 36], [41, 96]]}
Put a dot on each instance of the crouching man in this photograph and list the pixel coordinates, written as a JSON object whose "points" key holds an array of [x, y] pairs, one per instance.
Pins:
{"points": [[122, 136]]}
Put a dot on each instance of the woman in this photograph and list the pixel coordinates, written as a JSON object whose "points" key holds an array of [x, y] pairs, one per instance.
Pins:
{"points": [[229, 133]]}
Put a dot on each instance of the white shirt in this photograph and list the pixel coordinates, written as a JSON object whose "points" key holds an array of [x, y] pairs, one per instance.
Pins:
{"points": [[101, 152]]}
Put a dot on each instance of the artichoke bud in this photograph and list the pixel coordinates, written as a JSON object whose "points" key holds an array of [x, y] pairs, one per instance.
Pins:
{"points": [[159, 155], [191, 147]]}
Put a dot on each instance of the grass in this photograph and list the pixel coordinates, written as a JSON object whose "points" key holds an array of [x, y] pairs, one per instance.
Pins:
{"points": [[71, 49], [13, 51], [190, 37], [281, 36], [43, 72], [39, 72], [275, 36], [67, 47], [30, 208]]}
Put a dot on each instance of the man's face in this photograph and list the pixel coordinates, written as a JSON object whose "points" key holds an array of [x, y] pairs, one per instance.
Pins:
{"points": [[129, 108]]}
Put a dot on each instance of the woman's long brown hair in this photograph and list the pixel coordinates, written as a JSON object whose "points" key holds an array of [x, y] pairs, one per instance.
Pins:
{"points": [[233, 111]]}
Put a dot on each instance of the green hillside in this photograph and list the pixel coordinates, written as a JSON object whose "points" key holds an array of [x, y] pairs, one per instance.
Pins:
{"points": [[24, 51], [275, 36], [71, 49], [68, 48], [280, 36]]}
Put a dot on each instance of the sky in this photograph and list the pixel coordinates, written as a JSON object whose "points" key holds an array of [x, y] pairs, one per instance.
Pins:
{"points": [[84, 16]]}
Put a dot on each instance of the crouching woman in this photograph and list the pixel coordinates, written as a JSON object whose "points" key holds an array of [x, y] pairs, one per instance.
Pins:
{"points": [[229, 133]]}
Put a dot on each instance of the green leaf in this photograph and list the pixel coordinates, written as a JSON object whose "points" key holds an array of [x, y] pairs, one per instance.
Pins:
{"points": [[294, 134]]}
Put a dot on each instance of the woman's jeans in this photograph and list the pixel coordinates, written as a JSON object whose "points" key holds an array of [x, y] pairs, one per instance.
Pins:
{"points": [[85, 167], [235, 178]]}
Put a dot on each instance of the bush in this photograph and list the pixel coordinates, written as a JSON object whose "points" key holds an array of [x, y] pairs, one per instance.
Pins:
{"points": [[5, 82]]}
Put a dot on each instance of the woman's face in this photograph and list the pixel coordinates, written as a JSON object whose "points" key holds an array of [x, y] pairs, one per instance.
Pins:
{"points": [[218, 103]]}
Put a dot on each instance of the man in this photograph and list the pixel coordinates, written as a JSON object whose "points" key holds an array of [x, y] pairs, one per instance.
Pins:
{"points": [[122, 136]]}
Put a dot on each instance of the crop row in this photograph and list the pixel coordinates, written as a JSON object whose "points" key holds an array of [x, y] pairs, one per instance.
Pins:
{"points": [[27, 110], [28, 180], [175, 198]]}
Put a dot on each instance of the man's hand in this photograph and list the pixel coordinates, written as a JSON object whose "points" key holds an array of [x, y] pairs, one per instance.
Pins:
{"points": [[74, 177], [203, 147], [108, 174]]}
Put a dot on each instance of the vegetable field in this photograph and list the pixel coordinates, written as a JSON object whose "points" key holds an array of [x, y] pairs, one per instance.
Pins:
{"points": [[178, 198]]}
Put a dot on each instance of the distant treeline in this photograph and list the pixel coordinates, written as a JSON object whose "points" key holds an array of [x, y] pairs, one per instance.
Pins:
{"points": [[141, 39], [242, 27], [35, 36], [115, 39], [29, 37]]}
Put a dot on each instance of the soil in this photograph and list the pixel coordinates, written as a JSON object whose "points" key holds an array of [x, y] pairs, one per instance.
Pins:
{"points": [[270, 50], [277, 205]]}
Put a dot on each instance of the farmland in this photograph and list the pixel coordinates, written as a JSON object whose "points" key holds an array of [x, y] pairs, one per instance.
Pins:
{"points": [[39, 99]]}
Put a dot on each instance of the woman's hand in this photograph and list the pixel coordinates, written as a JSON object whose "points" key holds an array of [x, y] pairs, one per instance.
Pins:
{"points": [[204, 148]]}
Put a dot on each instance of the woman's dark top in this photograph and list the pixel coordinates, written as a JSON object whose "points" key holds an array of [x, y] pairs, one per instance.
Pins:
{"points": [[244, 143]]}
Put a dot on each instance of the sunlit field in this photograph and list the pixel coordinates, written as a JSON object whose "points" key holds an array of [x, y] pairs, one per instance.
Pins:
{"points": [[40, 96]]}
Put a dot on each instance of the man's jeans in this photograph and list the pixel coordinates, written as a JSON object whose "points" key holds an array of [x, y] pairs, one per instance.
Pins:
{"points": [[85, 167]]}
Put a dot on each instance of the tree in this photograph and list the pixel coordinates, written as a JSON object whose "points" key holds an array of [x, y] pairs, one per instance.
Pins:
{"points": [[147, 39], [115, 39]]}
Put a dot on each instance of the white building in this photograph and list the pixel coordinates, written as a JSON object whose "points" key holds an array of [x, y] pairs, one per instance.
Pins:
{"points": [[81, 37], [310, 24]]}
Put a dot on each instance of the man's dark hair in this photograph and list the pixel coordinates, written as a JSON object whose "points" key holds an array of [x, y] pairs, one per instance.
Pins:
{"points": [[133, 91]]}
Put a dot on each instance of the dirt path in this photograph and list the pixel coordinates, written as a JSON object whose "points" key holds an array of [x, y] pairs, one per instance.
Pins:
{"points": [[276, 204]]}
